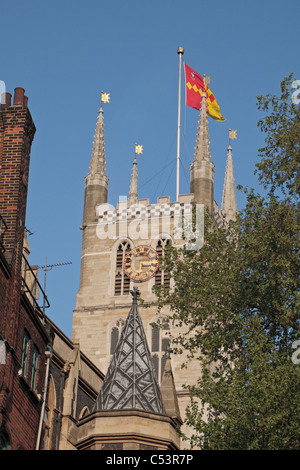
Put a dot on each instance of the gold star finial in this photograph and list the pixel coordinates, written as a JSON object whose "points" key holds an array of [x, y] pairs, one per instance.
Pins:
{"points": [[138, 149], [232, 134], [105, 97], [207, 79]]}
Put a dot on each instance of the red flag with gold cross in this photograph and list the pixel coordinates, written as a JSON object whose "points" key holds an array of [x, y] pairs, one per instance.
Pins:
{"points": [[195, 86]]}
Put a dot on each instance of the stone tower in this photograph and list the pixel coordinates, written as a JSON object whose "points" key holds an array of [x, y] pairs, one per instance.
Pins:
{"points": [[121, 246]]}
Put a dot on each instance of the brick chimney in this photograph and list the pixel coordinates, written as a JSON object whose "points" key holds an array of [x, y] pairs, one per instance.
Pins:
{"points": [[17, 131]]}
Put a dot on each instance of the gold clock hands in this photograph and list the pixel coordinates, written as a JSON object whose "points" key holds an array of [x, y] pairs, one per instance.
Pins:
{"points": [[144, 264], [150, 265]]}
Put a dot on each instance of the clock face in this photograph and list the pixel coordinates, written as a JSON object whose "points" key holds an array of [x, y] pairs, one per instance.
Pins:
{"points": [[141, 263]]}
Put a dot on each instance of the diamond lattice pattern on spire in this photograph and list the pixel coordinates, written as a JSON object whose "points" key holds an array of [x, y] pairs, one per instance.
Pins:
{"points": [[130, 381]]}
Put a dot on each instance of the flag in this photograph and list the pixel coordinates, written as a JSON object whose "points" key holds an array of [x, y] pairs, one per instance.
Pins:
{"points": [[195, 86]]}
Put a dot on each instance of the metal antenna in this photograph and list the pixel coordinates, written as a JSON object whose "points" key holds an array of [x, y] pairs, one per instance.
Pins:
{"points": [[47, 268], [29, 231]]}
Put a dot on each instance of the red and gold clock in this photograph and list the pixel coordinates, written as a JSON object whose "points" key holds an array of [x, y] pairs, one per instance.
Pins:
{"points": [[141, 263]]}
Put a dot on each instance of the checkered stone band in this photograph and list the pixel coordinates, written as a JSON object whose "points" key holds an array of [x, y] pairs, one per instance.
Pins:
{"points": [[141, 212]]}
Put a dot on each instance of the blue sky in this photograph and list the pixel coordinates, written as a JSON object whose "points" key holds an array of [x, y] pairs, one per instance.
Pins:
{"points": [[65, 52]]}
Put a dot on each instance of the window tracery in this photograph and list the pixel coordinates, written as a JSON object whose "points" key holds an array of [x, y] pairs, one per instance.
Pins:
{"points": [[160, 344], [115, 335], [122, 282], [162, 276]]}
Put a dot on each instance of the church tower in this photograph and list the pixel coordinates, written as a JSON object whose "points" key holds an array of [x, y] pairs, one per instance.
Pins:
{"points": [[121, 247]]}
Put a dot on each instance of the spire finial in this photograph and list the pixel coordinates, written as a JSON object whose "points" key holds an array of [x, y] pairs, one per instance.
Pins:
{"points": [[207, 79], [135, 293], [105, 97], [232, 135]]}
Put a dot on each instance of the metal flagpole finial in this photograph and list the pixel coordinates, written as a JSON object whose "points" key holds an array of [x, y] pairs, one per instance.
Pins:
{"points": [[180, 50]]}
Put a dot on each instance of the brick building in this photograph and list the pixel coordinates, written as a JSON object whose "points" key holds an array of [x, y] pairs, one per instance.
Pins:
{"points": [[46, 382], [24, 338]]}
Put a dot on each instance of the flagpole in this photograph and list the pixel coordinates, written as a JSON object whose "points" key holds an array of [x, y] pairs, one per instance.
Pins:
{"points": [[180, 52]]}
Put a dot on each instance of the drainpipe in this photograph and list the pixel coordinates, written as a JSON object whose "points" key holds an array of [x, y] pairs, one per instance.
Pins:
{"points": [[63, 375], [48, 355]]}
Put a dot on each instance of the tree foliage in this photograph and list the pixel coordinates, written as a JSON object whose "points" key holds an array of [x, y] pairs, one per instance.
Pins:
{"points": [[280, 157], [235, 304]]}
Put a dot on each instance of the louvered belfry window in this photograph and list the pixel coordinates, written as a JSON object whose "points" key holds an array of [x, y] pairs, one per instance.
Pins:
{"points": [[162, 276], [122, 282]]}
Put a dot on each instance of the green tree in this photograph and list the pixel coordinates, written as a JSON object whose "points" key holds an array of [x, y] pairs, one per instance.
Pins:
{"points": [[236, 303], [280, 157]]}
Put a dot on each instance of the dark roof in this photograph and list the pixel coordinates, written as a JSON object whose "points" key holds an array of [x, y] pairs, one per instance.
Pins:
{"points": [[130, 382]]}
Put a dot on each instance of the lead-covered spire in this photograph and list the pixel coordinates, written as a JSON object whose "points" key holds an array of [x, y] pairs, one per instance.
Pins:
{"points": [[229, 205], [130, 382]]}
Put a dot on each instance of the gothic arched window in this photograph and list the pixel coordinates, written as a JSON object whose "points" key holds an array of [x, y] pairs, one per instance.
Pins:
{"points": [[162, 276], [122, 282], [115, 335], [160, 343]]}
